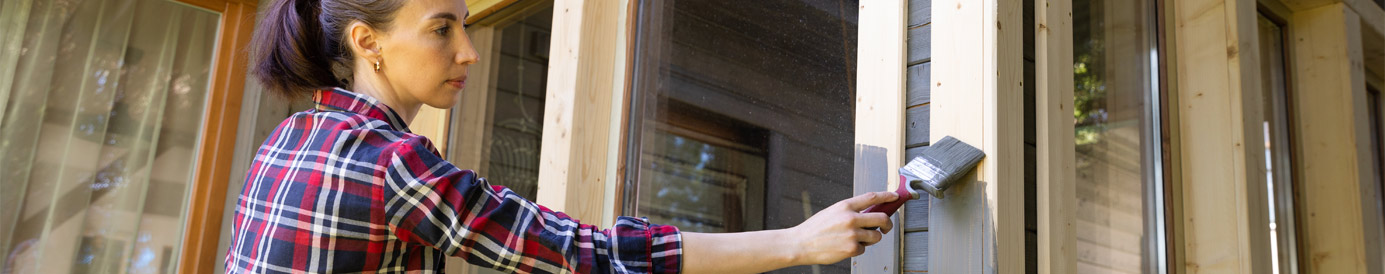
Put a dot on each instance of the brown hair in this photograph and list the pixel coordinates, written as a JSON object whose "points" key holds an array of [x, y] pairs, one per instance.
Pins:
{"points": [[299, 44]]}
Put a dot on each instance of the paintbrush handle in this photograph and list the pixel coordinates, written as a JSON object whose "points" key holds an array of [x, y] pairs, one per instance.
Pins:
{"points": [[889, 208]]}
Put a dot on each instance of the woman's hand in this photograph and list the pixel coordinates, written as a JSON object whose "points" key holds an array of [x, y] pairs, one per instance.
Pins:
{"points": [[840, 231]]}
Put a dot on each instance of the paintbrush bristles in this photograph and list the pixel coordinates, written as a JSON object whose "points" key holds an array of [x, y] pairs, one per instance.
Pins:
{"points": [[940, 165]]}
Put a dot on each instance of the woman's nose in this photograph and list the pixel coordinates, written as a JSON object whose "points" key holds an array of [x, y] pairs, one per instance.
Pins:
{"points": [[467, 53]]}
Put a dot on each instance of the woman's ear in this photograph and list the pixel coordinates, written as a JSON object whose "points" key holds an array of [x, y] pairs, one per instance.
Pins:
{"points": [[364, 40]]}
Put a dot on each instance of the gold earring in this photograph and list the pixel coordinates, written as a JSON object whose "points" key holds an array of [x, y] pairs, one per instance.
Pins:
{"points": [[377, 66]]}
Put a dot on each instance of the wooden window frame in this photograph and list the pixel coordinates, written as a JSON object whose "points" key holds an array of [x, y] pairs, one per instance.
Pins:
{"points": [[202, 226]]}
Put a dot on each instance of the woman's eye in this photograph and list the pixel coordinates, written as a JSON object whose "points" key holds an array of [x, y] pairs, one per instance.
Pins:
{"points": [[443, 30]]}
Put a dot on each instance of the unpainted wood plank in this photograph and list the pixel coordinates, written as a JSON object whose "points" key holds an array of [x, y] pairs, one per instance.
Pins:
{"points": [[578, 109], [916, 252], [918, 76], [916, 122], [920, 43], [1216, 76], [1054, 155], [1329, 93]]}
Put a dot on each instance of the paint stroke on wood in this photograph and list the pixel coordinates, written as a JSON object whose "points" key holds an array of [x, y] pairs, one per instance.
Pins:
{"points": [[977, 97], [880, 95]]}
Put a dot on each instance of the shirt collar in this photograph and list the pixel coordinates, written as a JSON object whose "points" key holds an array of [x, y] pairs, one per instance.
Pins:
{"points": [[338, 99]]}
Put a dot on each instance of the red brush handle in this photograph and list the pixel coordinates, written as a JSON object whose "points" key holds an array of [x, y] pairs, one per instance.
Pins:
{"points": [[890, 207]]}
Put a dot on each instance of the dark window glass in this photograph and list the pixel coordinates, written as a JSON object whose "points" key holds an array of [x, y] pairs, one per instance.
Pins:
{"points": [[514, 101], [741, 113]]}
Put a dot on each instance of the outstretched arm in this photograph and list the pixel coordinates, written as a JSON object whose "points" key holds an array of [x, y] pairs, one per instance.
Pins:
{"points": [[833, 234]]}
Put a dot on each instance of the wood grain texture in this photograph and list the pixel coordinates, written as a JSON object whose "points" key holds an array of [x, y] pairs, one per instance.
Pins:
{"points": [[1054, 153], [880, 86], [1329, 94], [977, 98], [916, 126], [578, 110], [1222, 190], [915, 252], [920, 44], [918, 84], [206, 204], [920, 12]]}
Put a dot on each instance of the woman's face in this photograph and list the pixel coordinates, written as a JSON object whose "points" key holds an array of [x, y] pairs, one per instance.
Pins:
{"points": [[425, 52]]}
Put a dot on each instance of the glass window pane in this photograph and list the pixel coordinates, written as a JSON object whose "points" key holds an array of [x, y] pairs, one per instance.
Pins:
{"points": [[1278, 166], [741, 113], [514, 103], [1118, 179], [98, 132]]}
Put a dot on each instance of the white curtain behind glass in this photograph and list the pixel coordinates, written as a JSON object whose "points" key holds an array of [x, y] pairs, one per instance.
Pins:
{"points": [[102, 105]]}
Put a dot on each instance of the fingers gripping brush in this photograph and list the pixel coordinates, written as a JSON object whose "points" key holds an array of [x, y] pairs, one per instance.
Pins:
{"points": [[939, 167]]}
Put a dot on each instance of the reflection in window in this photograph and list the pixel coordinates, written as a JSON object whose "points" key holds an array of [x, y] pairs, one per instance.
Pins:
{"points": [[102, 105], [741, 113], [1118, 155], [515, 102], [1278, 168]]}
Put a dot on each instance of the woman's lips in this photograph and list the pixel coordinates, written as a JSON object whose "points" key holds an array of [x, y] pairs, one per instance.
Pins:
{"points": [[457, 83]]}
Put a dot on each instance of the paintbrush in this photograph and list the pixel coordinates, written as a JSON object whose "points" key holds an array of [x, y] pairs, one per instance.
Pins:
{"points": [[938, 167]]}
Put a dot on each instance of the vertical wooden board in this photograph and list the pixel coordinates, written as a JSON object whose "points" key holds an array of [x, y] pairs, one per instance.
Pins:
{"points": [[218, 140], [879, 136], [920, 45], [977, 97], [1055, 163], [918, 76], [1215, 41], [916, 252], [916, 132], [1328, 95], [578, 108], [871, 173]]}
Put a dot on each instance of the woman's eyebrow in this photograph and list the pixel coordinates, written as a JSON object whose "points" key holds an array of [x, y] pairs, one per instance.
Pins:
{"points": [[445, 15]]}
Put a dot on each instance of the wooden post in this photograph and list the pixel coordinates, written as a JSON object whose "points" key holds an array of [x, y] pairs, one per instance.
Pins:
{"points": [[1334, 150], [880, 117], [977, 86], [202, 226], [1057, 191], [1225, 225], [581, 107]]}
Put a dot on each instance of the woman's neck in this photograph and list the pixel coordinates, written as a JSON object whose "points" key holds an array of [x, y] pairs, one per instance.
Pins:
{"points": [[375, 88]]}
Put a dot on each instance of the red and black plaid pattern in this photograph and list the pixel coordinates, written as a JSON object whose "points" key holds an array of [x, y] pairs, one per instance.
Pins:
{"points": [[347, 188]]}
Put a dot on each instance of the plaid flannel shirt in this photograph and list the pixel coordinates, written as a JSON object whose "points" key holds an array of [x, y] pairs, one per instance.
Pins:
{"points": [[347, 188]]}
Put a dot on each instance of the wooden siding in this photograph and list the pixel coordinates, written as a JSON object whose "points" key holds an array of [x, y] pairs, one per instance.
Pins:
{"points": [[915, 213]]}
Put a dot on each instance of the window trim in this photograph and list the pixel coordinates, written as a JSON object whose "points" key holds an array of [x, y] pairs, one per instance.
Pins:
{"points": [[202, 226]]}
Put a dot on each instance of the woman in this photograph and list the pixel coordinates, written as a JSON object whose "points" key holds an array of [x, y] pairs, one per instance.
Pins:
{"points": [[345, 187]]}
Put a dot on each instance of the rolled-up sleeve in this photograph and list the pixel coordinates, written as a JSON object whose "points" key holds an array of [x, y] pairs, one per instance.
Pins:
{"points": [[428, 201]]}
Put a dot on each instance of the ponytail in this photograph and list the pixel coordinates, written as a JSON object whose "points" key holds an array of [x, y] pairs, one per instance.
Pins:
{"points": [[297, 43]]}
